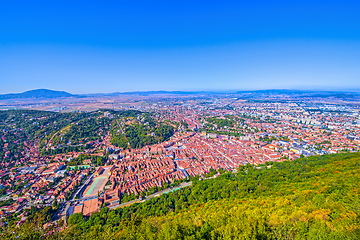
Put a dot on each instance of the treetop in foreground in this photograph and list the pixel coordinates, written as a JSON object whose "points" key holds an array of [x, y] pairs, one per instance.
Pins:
{"points": [[309, 198]]}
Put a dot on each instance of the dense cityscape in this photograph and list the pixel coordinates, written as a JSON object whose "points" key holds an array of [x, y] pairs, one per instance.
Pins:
{"points": [[64, 163], [180, 120]]}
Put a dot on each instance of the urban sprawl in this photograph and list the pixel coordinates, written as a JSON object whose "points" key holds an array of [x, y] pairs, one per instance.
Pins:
{"points": [[80, 162]]}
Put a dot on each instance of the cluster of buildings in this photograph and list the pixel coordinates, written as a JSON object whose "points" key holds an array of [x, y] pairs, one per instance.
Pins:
{"points": [[259, 133]]}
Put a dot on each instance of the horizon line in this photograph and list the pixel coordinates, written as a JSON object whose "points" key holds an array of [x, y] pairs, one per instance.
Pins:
{"points": [[194, 91]]}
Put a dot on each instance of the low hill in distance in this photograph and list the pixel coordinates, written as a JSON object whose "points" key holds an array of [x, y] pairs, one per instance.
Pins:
{"points": [[38, 93]]}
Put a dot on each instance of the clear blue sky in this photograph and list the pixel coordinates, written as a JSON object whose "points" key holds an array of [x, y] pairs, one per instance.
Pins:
{"points": [[110, 46]]}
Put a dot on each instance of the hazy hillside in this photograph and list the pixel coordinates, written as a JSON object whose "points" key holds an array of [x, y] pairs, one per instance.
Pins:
{"points": [[38, 93], [310, 198]]}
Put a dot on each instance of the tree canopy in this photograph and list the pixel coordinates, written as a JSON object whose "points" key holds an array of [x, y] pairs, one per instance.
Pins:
{"points": [[309, 198]]}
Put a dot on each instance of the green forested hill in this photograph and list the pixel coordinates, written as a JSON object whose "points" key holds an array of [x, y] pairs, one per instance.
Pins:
{"points": [[310, 198]]}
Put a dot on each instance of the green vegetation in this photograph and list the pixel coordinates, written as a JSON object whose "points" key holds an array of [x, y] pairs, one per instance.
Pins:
{"points": [[310, 198], [64, 149], [97, 160], [87, 129], [141, 133], [55, 132], [44, 213], [221, 122], [3, 189], [128, 197], [185, 124], [268, 139], [229, 125], [119, 141], [228, 133], [6, 202], [211, 173]]}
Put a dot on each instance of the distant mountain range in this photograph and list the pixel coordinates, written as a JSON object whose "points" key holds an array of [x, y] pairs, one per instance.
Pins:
{"points": [[46, 93], [144, 93], [298, 93], [38, 93]]}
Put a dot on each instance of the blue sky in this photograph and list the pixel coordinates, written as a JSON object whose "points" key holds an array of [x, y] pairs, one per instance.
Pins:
{"points": [[110, 46]]}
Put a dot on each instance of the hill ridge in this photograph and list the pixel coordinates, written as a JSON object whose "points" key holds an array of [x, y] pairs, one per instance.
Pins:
{"points": [[37, 93]]}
